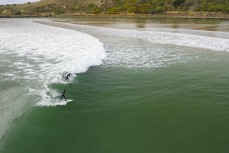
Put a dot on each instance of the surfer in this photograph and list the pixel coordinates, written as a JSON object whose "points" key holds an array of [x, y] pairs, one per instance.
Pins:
{"points": [[63, 95], [67, 77]]}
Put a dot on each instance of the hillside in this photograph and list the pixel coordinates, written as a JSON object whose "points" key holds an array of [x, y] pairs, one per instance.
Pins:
{"points": [[79, 7]]}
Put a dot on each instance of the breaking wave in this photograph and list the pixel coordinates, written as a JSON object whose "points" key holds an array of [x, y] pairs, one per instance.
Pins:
{"points": [[48, 53]]}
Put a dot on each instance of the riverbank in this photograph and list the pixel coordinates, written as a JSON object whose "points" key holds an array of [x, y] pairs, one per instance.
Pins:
{"points": [[189, 15], [184, 15]]}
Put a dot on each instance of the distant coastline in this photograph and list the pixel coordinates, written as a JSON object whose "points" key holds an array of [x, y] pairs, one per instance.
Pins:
{"points": [[190, 9], [180, 15]]}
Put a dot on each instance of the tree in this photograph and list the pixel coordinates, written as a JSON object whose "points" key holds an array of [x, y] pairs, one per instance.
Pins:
{"points": [[177, 3]]}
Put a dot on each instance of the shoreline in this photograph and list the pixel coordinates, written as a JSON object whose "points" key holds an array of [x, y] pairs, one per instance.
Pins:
{"points": [[167, 15]]}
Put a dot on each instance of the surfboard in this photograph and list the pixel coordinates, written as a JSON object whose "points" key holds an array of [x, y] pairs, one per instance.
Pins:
{"points": [[69, 100]]}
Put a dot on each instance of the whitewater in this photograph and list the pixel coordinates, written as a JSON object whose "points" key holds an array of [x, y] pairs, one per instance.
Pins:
{"points": [[153, 47], [56, 52], [154, 80], [34, 56], [211, 40], [38, 53]]}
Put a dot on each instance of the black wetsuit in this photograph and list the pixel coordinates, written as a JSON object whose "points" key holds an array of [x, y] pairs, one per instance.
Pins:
{"points": [[67, 77], [63, 95]]}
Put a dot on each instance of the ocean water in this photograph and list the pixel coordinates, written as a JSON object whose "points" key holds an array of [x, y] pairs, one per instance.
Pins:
{"points": [[152, 86]]}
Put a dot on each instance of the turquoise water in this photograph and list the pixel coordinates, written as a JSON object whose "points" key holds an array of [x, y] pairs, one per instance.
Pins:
{"points": [[145, 96]]}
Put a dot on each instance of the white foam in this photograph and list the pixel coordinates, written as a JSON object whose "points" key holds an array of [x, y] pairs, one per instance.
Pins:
{"points": [[52, 102], [129, 48], [215, 41], [216, 34], [63, 50], [52, 51], [188, 40]]}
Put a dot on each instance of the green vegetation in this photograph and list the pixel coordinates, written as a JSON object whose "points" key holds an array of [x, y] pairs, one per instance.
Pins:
{"points": [[53, 7], [159, 6]]}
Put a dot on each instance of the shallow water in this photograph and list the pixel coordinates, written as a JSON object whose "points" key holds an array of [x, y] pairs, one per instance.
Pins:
{"points": [[138, 90]]}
